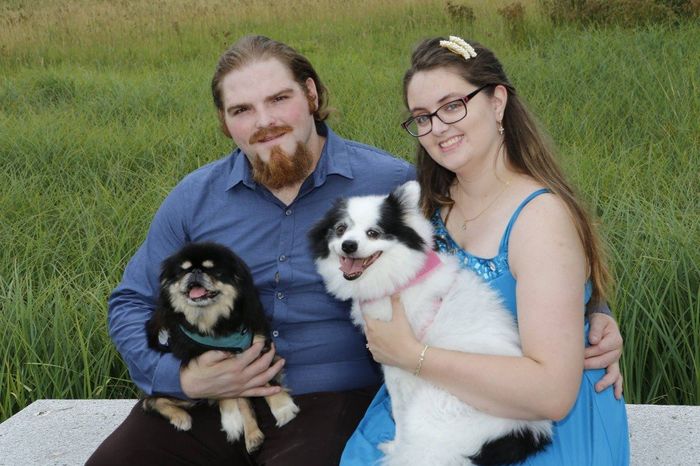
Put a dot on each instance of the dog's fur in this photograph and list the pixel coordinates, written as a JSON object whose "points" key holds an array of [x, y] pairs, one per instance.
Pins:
{"points": [[208, 290], [381, 243]]}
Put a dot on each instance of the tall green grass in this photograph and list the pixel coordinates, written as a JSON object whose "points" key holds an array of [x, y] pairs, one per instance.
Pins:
{"points": [[104, 106]]}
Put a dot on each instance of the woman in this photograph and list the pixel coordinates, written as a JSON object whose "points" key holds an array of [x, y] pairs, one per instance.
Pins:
{"points": [[493, 190]]}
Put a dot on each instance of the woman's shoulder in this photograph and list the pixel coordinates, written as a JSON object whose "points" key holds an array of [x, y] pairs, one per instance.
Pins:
{"points": [[537, 203], [544, 229]]}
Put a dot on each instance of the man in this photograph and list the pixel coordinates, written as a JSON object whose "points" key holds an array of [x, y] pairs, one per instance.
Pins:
{"points": [[260, 201]]}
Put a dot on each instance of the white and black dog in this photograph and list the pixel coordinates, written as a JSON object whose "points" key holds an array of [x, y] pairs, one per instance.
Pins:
{"points": [[368, 248]]}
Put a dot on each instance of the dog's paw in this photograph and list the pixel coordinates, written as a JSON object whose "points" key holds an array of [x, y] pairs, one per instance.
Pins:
{"points": [[232, 424], [253, 440], [282, 407], [181, 420], [285, 413], [232, 433]]}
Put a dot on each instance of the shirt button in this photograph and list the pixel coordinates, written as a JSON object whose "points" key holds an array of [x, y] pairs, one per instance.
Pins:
{"points": [[283, 258], [288, 212], [275, 333], [280, 295]]}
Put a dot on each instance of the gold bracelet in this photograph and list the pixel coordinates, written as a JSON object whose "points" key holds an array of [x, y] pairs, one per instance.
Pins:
{"points": [[420, 361]]}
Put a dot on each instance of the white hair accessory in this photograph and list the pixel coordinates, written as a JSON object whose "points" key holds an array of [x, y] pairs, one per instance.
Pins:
{"points": [[459, 46]]}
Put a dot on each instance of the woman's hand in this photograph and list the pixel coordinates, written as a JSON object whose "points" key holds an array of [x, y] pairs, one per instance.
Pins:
{"points": [[393, 343]]}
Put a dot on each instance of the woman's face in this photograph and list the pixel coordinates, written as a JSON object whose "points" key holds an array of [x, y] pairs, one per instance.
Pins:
{"points": [[466, 146]]}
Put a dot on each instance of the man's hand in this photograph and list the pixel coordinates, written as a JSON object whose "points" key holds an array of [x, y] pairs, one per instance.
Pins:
{"points": [[217, 374], [604, 352]]}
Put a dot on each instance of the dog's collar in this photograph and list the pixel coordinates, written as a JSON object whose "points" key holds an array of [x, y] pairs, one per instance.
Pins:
{"points": [[235, 342], [431, 263]]}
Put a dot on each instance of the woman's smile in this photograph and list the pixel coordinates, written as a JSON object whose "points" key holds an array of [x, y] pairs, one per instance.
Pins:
{"points": [[451, 143]]}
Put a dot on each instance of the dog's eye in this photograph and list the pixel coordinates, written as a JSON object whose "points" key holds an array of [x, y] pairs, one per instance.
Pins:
{"points": [[340, 229], [372, 234]]}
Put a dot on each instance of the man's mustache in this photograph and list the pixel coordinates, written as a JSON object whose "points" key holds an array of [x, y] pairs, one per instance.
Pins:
{"points": [[269, 133]]}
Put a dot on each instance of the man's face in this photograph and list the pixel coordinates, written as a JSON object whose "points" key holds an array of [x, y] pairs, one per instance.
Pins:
{"points": [[265, 108]]}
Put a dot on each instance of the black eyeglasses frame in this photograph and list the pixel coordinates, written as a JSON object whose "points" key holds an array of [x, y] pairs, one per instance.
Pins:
{"points": [[463, 100]]}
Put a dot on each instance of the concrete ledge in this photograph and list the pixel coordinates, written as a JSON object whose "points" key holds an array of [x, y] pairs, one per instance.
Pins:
{"points": [[59, 432], [66, 432]]}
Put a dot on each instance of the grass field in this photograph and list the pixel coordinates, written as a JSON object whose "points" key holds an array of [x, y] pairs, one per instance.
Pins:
{"points": [[104, 106]]}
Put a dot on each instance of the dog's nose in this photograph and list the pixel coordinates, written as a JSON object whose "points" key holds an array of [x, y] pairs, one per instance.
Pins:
{"points": [[349, 246], [196, 275]]}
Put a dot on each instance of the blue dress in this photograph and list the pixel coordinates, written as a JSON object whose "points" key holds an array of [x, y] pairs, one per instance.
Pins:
{"points": [[593, 433]]}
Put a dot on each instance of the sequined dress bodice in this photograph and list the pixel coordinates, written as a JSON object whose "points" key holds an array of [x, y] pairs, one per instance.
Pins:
{"points": [[495, 270]]}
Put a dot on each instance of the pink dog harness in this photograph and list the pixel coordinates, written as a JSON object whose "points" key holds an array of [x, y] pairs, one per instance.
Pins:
{"points": [[431, 263]]}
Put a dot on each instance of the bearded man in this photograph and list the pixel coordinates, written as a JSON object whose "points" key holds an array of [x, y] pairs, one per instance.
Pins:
{"points": [[260, 200]]}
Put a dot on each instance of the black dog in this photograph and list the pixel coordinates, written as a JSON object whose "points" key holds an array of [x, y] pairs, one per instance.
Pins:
{"points": [[208, 302]]}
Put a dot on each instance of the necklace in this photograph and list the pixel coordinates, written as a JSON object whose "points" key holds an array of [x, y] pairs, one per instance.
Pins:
{"points": [[489, 205]]}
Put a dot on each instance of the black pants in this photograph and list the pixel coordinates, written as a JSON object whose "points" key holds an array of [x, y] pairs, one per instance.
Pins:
{"points": [[316, 437]]}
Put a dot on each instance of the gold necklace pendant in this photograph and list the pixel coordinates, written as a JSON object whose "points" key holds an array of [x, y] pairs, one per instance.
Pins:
{"points": [[467, 220]]}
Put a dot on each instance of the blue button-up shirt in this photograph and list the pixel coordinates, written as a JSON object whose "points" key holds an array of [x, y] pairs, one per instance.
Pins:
{"points": [[221, 202]]}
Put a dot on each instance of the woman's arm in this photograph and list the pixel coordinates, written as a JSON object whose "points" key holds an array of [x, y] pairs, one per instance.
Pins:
{"points": [[547, 259]]}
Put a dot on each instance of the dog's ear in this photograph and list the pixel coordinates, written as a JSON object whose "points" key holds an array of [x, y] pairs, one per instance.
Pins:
{"points": [[321, 232], [408, 194], [169, 268]]}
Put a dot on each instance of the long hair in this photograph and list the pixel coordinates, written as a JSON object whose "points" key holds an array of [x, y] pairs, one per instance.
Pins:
{"points": [[528, 150], [249, 49]]}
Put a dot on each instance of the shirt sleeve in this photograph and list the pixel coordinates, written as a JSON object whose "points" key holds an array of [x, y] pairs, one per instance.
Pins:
{"points": [[133, 301], [600, 307], [410, 173]]}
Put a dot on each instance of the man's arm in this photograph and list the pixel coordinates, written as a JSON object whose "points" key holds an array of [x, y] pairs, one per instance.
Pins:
{"points": [[213, 374], [598, 307], [133, 301]]}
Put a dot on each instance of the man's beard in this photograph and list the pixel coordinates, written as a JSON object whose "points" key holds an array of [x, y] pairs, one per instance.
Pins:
{"points": [[281, 170]]}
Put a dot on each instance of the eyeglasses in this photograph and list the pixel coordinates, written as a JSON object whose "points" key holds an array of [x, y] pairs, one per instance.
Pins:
{"points": [[451, 112]]}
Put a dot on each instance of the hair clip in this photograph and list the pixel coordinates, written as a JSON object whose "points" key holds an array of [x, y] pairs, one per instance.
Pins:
{"points": [[459, 46]]}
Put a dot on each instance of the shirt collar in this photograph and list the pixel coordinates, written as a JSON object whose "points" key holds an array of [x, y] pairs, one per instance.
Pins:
{"points": [[335, 160]]}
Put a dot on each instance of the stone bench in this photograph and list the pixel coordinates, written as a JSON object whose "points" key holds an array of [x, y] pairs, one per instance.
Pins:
{"points": [[66, 432]]}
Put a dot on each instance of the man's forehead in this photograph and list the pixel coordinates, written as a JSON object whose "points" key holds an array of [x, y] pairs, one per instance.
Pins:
{"points": [[256, 80]]}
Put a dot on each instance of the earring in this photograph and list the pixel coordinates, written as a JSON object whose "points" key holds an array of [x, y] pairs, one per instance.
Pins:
{"points": [[501, 130]]}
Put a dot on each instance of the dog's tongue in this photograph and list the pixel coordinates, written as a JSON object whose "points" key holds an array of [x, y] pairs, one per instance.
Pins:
{"points": [[349, 266], [197, 292]]}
